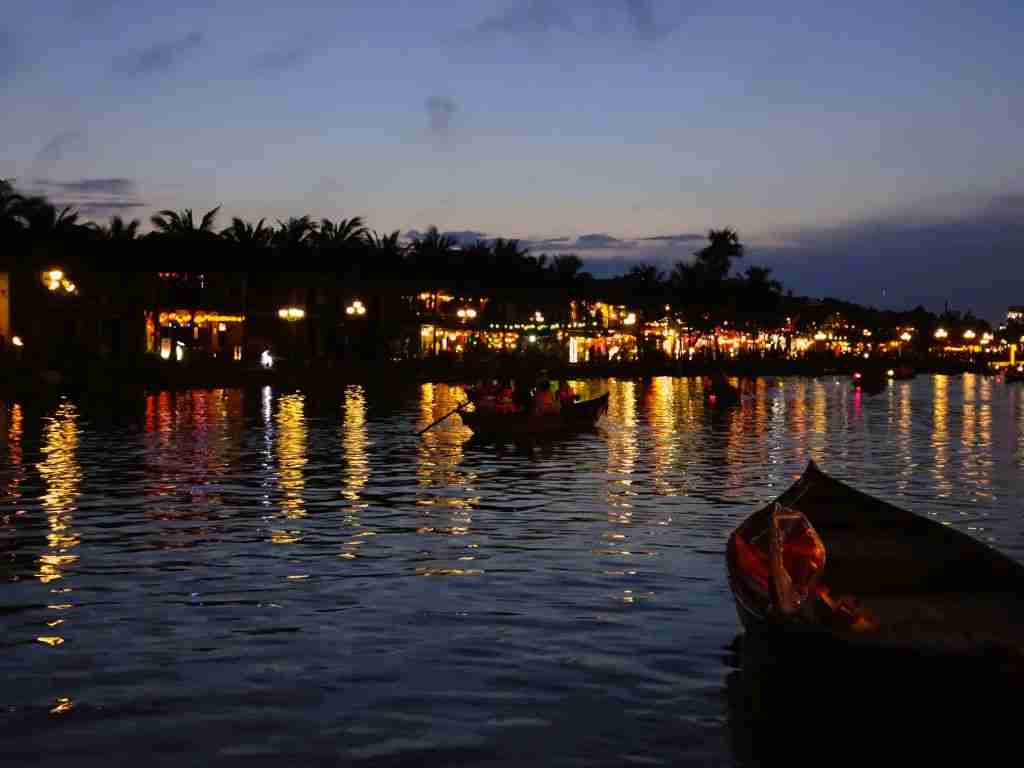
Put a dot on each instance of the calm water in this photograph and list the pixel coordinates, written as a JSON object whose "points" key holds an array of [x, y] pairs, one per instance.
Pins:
{"points": [[240, 577]]}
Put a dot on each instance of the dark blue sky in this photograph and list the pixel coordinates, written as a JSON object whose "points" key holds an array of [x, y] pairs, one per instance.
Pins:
{"points": [[871, 153]]}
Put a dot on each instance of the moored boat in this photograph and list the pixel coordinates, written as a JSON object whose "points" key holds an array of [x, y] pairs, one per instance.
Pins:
{"points": [[829, 566], [574, 416]]}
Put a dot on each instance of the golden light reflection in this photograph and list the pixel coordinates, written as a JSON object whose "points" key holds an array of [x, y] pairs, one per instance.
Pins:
{"points": [[62, 477], [291, 452], [15, 458], [447, 496], [940, 434], [904, 435], [622, 450], [354, 445], [661, 401]]}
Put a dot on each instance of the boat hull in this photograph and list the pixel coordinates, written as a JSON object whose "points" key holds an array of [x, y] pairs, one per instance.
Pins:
{"points": [[934, 590], [575, 417]]}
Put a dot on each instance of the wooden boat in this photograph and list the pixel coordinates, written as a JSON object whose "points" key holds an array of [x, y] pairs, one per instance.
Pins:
{"points": [[581, 415], [888, 581]]}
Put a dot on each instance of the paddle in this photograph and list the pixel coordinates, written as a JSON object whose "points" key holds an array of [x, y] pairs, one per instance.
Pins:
{"points": [[458, 408]]}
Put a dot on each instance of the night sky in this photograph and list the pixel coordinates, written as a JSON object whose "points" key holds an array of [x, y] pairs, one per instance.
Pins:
{"points": [[873, 154]]}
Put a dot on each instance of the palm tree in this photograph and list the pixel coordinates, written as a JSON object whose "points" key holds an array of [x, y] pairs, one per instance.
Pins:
{"points": [[117, 229], [243, 233], [716, 258], [294, 234], [345, 234], [182, 224], [44, 221], [386, 252]]}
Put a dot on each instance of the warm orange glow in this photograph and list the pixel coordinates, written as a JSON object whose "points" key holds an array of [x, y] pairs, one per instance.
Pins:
{"points": [[941, 333], [291, 313]]}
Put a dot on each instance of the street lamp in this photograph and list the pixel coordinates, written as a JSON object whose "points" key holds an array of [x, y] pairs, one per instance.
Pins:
{"points": [[355, 308], [969, 334], [291, 314], [54, 280], [905, 336], [941, 333]]}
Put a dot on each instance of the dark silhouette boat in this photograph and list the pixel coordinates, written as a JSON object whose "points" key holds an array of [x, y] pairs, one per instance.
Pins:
{"points": [[572, 417], [829, 567]]}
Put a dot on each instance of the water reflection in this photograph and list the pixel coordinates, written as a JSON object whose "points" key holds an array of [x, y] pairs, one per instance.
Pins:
{"points": [[291, 453], [353, 445], [940, 435], [13, 450], [62, 477], [356, 469], [447, 495], [622, 450]]}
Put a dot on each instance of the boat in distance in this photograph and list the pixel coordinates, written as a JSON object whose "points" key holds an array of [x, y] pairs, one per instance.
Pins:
{"points": [[827, 566], [570, 417]]}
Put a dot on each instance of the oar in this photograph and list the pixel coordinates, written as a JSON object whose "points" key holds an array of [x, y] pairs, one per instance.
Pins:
{"points": [[458, 408]]}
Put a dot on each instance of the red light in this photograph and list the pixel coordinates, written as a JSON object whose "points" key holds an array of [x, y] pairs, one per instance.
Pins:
{"points": [[856, 375]]}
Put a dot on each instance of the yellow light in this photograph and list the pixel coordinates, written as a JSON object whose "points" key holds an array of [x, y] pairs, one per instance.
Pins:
{"points": [[222, 326], [969, 334], [350, 310], [867, 332], [890, 373], [360, 310], [461, 313], [905, 336], [630, 319], [283, 314], [941, 333], [819, 336], [165, 349], [55, 275], [532, 338], [470, 313], [16, 341], [291, 313]]}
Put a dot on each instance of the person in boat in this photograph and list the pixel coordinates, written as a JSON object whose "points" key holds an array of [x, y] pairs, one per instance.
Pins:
{"points": [[505, 400], [566, 394], [544, 401], [522, 397]]}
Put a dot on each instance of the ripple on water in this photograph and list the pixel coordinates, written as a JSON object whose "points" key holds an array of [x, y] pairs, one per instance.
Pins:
{"points": [[259, 572]]}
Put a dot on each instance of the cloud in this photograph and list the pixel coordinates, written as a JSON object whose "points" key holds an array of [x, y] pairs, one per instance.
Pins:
{"points": [[536, 20], [55, 149], [93, 186], [531, 19], [600, 241], [683, 239], [91, 197], [161, 57], [440, 111], [969, 252], [282, 58]]}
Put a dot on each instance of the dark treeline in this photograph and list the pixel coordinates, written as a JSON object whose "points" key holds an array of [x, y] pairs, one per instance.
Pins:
{"points": [[706, 291]]}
